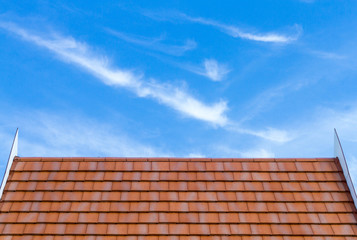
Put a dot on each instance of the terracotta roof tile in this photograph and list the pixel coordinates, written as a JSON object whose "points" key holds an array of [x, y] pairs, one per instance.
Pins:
{"points": [[240, 229], [281, 229], [319, 229], [76, 229], [180, 199], [309, 218], [168, 217], [157, 229], [220, 229], [178, 166], [268, 217]]}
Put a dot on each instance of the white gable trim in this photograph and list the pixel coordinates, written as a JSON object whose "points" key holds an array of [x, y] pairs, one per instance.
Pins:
{"points": [[341, 157], [12, 155]]}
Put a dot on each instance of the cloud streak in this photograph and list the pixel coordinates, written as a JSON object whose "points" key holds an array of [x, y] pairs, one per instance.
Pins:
{"points": [[79, 54], [239, 33], [156, 44], [54, 134], [270, 134], [327, 55], [233, 31], [210, 69], [73, 52]]}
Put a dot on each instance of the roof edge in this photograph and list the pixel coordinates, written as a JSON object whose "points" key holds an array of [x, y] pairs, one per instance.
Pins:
{"points": [[170, 159], [12, 155], [338, 151]]}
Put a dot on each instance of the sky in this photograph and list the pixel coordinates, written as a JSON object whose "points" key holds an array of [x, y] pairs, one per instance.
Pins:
{"points": [[178, 78]]}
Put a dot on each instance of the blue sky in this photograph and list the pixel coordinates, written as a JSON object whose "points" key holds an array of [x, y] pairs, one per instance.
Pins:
{"points": [[178, 78]]}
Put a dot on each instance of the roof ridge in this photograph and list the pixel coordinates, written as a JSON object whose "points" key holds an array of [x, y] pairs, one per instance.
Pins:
{"points": [[171, 159]]}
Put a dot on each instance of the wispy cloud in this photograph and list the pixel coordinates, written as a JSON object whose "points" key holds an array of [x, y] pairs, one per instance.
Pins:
{"points": [[231, 30], [54, 134], [314, 137], [73, 52], [236, 32], [195, 155], [258, 152], [210, 69], [270, 134], [327, 55], [156, 44]]}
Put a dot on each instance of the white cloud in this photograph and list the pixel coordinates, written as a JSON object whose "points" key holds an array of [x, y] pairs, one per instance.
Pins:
{"points": [[213, 70], [210, 69], [327, 55], [314, 137], [257, 153], [47, 134], [156, 43], [260, 37], [74, 52], [226, 151], [231, 30], [271, 134], [196, 155]]}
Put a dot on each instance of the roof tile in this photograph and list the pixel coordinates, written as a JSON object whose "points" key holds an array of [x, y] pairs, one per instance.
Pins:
{"points": [[96, 229], [270, 166], [188, 217], [220, 229], [218, 206], [117, 229], [240, 229], [164, 206], [34, 228], [168, 217], [248, 217], [68, 217], [347, 217], [288, 218], [268, 218], [301, 229], [76, 229], [281, 229], [13, 229], [178, 229], [342, 229], [250, 166], [152, 229], [215, 166], [180, 199], [69, 166], [178, 166], [260, 229], [51, 206], [320, 229], [208, 217], [233, 166], [196, 166], [309, 218], [199, 229]]}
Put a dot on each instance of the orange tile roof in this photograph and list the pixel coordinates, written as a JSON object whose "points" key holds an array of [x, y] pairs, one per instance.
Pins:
{"points": [[161, 198]]}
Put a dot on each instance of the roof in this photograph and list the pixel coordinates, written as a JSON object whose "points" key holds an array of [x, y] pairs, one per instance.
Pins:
{"points": [[173, 198]]}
